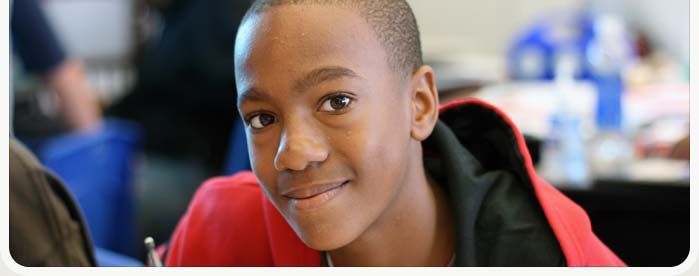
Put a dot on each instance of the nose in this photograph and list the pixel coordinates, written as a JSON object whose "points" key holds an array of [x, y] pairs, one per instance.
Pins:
{"points": [[299, 147]]}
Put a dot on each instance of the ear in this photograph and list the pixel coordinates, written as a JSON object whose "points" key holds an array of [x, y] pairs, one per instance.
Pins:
{"points": [[424, 102]]}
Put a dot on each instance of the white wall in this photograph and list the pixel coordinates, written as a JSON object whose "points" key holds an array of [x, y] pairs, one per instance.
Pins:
{"points": [[487, 27], [92, 29], [666, 22], [484, 27], [99, 33]]}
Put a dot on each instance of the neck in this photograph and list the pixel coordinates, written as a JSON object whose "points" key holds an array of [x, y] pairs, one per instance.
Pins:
{"points": [[417, 228]]}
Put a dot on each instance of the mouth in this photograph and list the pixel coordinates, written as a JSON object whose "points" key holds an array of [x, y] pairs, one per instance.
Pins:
{"points": [[313, 196]]}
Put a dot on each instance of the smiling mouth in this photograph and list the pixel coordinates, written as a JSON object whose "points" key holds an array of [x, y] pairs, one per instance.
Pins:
{"points": [[314, 197]]}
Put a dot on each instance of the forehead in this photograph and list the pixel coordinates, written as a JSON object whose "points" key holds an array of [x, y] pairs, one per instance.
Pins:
{"points": [[287, 41]]}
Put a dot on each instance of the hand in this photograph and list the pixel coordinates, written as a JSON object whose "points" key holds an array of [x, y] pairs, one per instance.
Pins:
{"points": [[79, 101]]}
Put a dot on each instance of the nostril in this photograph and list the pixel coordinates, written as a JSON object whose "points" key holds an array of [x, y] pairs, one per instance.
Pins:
{"points": [[298, 154]]}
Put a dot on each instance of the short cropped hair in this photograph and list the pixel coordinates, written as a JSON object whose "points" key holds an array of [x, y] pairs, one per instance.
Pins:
{"points": [[392, 21]]}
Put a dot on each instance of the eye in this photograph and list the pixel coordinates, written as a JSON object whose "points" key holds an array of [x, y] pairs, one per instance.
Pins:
{"points": [[261, 120], [335, 103]]}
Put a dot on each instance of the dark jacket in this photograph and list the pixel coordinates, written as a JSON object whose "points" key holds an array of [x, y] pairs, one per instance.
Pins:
{"points": [[505, 214]]}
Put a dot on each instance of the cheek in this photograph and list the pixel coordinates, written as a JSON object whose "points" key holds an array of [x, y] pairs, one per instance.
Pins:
{"points": [[388, 133], [262, 152], [384, 153], [379, 151]]}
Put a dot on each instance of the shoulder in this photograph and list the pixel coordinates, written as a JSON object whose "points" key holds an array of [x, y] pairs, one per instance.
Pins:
{"points": [[225, 190], [224, 225], [221, 199]]}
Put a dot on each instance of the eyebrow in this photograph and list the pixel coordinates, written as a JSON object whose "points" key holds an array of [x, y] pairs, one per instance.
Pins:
{"points": [[253, 95], [323, 74], [311, 79]]}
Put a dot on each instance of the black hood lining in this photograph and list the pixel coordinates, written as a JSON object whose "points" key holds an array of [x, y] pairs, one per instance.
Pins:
{"points": [[488, 137], [474, 153]]}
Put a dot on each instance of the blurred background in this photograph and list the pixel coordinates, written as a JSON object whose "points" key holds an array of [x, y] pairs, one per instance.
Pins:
{"points": [[600, 89]]}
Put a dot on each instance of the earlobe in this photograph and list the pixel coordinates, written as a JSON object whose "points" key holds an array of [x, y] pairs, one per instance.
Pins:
{"points": [[425, 103]]}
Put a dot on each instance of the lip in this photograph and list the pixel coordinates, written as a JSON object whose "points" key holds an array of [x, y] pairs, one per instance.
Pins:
{"points": [[313, 196]]}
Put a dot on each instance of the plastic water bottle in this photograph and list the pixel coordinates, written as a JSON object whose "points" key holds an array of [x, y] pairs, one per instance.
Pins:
{"points": [[610, 152], [564, 160]]}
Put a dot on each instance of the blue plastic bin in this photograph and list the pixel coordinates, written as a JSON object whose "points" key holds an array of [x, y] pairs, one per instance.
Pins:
{"points": [[98, 168]]}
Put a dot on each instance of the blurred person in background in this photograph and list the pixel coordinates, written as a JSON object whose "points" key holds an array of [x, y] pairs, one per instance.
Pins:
{"points": [[185, 80], [46, 225], [40, 54], [184, 97]]}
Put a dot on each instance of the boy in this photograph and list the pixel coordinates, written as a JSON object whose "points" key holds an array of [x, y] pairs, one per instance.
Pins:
{"points": [[358, 166]]}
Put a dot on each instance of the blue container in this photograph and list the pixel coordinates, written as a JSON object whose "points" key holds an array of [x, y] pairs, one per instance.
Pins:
{"points": [[535, 50], [98, 169], [609, 106]]}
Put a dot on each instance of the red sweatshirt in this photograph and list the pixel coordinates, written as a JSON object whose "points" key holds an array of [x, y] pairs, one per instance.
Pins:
{"points": [[230, 222]]}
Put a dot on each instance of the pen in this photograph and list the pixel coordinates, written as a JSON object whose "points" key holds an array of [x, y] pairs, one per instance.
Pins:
{"points": [[152, 255]]}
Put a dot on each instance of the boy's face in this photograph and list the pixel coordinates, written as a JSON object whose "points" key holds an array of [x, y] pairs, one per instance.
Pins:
{"points": [[328, 121]]}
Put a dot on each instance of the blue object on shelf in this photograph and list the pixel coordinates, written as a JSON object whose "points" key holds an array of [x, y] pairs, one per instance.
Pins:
{"points": [[536, 49], [98, 169], [609, 109]]}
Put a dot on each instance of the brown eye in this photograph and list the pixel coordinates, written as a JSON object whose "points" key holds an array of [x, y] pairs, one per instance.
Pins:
{"points": [[336, 103], [261, 120]]}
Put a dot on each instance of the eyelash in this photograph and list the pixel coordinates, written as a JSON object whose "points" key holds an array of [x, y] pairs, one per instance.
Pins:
{"points": [[248, 119], [335, 95]]}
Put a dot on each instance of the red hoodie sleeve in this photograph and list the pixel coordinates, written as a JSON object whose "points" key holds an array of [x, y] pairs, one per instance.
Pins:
{"points": [[573, 229], [223, 226]]}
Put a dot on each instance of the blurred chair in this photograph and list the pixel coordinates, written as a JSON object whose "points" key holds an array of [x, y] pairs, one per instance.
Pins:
{"points": [[106, 258], [98, 169]]}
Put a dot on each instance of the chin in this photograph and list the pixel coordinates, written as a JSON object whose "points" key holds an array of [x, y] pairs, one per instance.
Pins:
{"points": [[324, 237], [323, 243]]}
